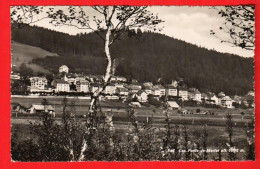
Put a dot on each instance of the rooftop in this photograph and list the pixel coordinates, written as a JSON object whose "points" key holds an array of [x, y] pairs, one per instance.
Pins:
{"points": [[42, 107], [61, 81]]}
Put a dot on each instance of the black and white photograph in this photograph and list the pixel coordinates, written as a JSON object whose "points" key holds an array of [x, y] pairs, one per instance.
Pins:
{"points": [[132, 83]]}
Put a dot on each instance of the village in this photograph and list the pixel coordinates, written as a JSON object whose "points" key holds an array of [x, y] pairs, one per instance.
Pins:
{"points": [[131, 83], [135, 93]]}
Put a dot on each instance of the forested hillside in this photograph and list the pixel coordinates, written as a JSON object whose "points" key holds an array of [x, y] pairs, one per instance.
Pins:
{"points": [[146, 57]]}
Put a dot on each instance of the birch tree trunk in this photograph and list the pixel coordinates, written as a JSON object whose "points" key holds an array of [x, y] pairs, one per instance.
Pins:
{"points": [[97, 93]]}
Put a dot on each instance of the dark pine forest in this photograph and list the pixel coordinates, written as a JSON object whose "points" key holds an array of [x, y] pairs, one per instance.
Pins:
{"points": [[144, 56]]}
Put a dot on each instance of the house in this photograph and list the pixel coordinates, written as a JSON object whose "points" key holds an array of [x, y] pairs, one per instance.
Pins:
{"points": [[113, 79], [134, 88], [82, 86], [39, 108], [71, 78], [64, 68], [210, 98], [172, 105], [95, 78], [110, 89], [172, 91], [122, 91], [194, 95], [184, 111], [197, 96], [19, 109], [141, 96], [60, 85], [251, 93], [204, 97], [159, 90], [121, 79], [191, 95], [80, 77], [15, 76], [39, 82], [148, 89], [136, 85], [226, 102], [112, 97], [119, 85], [118, 79], [237, 99], [215, 99], [183, 93]]}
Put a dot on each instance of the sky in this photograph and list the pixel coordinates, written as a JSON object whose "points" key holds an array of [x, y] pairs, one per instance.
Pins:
{"points": [[190, 24]]}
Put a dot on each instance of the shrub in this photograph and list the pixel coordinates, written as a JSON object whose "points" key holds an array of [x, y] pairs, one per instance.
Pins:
{"points": [[154, 102]]}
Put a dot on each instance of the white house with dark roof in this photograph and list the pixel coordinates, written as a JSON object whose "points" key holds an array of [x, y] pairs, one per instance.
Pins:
{"points": [[215, 99], [118, 79], [122, 91], [134, 88], [80, 77], [195, 95], [15, 76], [38, 83], [82, 86], [141, 96], [183, 93], [136, 85], [226, 102], [110, 89], [119, 85], [71, 78], [60, 85], [251, 93], [39, 108], [172, 91], [159, 90]]}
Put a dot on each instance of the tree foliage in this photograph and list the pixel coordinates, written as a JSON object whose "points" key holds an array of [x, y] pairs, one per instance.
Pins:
{"points": [[25, 71], [145, 58], [23, 15], [239, 25]]}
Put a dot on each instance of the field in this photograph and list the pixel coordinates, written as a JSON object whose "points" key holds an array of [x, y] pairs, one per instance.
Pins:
{"points": [[22, 53], [143, 113], [216, 124], [118, 108]]}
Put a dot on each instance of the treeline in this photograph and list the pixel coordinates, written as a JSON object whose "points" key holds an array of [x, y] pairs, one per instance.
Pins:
{"points": [[146, 57]]}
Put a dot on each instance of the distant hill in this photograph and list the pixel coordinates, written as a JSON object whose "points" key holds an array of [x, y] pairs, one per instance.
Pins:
{"points": [[146, 57], [22, 53]]}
